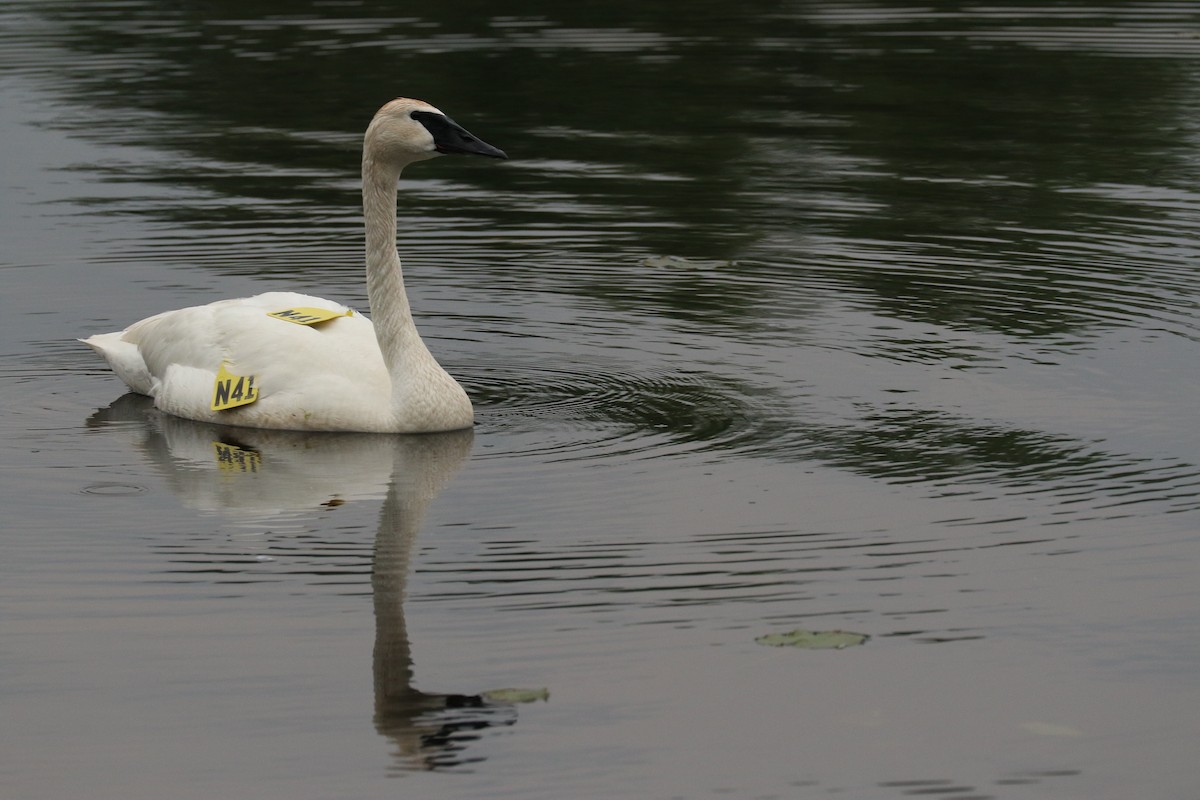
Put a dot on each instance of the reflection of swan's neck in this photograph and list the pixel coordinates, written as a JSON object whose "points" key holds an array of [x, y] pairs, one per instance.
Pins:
{"points": [[398, 339], [398, 525], [424, 464]]}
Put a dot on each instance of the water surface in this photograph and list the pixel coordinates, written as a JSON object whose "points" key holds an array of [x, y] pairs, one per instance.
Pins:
{"points": [[805, 315]]}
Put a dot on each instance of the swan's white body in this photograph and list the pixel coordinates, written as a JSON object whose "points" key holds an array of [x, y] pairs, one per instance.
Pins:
{"points": [[343, 374], [326, 377]]}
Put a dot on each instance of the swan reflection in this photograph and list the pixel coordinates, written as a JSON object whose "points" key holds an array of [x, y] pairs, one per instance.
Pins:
{"points": [[255, 477]]}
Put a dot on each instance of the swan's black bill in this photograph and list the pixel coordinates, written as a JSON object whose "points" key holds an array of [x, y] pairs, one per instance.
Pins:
{"points": [[451, 138]]}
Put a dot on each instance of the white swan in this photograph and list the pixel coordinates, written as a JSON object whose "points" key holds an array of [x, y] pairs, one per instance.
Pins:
{"points": [[290, 361]]}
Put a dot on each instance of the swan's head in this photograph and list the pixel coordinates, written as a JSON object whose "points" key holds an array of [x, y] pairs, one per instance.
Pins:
{"points": [[407, 130]]}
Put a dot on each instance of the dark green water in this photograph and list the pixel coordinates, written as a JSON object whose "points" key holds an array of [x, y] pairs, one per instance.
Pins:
{"points": [[869, 317]]}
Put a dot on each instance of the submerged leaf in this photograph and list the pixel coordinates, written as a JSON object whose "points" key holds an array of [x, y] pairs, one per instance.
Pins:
{"points": [[813, 640], [512, 696]]}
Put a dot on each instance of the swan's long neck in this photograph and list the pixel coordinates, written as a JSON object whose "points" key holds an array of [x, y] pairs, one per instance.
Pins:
{"points": [[424, 397], [394, 329]]}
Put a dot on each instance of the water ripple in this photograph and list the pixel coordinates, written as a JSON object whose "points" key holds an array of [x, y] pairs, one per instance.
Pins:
{"points": [[581, 413], [600, 413]]}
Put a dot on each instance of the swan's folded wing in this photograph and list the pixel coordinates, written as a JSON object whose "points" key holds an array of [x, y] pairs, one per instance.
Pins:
{"points": [[332, 370]]}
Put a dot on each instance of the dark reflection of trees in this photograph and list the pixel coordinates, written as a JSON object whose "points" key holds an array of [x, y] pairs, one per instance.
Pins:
{"points": [[941, 450], [999, 132], [757, 107]]}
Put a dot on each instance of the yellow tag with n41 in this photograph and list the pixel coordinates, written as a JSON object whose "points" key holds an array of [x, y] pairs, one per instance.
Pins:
{"points": [[309, 316], [231, 391]]}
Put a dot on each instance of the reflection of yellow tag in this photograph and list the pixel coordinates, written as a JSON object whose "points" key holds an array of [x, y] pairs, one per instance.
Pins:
{"points": [[309, 316], [231, 391], [231, 458]]}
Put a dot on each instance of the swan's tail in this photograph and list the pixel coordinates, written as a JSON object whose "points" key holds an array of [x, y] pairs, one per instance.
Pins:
{"points": [[124, 358]]}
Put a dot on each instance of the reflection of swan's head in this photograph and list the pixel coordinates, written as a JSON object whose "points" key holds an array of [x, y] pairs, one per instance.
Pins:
{"points": [[407, 130]]}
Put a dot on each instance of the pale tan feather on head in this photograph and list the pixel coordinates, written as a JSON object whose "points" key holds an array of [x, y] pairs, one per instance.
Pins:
{"points": [[394, 135]]}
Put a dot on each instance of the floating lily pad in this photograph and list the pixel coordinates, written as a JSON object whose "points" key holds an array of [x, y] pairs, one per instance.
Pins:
{"points": [[513, 696], [813, 640]]}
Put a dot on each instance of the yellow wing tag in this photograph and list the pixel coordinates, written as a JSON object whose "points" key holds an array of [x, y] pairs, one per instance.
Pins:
{"points": [[231, 391], [231, 458], [309, 316]]}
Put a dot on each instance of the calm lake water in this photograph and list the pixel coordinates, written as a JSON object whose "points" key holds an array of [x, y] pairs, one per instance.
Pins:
{"points": [[859, 316]]}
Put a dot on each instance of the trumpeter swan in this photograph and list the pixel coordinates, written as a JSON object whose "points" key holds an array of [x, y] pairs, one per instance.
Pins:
{"points": [[295, 362]]}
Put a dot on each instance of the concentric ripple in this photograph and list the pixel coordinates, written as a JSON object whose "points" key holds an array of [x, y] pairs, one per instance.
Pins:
{"points": [[564, 413], [584, 412]]}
